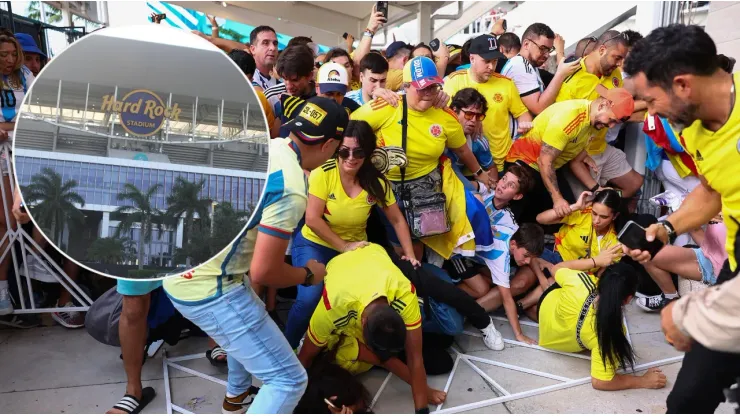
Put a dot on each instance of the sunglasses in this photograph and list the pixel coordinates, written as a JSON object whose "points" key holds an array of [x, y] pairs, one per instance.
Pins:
{"points": [[471, 115], [543, 49], [591, 40], [346, 152], [622, 35], [430, 90]]}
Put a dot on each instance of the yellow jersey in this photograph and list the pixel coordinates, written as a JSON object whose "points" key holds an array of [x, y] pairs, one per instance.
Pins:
{"points": [[577, 238], [565, 126], [582, 86], [346, 216], [394, 79], [717, 158], [503, 100], [353, 280], [429, 133], [266, 107], [559, 313]]}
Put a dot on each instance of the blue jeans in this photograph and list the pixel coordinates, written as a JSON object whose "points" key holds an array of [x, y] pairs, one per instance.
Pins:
{"points": [[239, 323], [307, 298]]}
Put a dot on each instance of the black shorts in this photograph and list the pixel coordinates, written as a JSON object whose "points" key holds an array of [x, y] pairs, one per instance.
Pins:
{"points": [[545, 293], [725, 274], [461, 268]]}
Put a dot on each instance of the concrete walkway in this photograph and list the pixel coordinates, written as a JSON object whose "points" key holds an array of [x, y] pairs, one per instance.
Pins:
{"points": [[56, 370]]}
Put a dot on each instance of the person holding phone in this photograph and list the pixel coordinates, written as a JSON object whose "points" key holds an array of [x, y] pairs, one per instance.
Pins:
{"points": [[581, 312], [587, 231]]}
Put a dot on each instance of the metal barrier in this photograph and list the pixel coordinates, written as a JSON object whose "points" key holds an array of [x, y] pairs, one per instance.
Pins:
{"points": [[19, 235]]}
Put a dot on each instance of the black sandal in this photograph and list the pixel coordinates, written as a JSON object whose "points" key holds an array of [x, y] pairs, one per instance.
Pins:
{"points": [[131, 405], [214, 356]]}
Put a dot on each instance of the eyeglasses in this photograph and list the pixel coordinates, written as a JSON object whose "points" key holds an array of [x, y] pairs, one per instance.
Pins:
{"points": [[471, 115], [591, 40], [622, 35], [543, 49], [346, 152], [430, 90]]}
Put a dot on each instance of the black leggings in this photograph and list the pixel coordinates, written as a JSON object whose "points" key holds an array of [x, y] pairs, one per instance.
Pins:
{"points": [[434, 353], [432, 287]]}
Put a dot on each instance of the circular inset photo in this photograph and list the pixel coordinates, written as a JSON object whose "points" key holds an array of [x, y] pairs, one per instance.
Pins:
{"points": [[141, 152]]}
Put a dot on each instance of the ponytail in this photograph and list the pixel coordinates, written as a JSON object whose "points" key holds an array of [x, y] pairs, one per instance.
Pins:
{"points": [[618, 282]]}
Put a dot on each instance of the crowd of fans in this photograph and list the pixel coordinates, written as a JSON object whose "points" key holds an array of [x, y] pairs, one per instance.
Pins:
{"points": [[415, 188]]}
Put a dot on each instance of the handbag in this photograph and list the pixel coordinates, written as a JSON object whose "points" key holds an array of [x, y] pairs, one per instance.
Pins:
{"points": [[425, 205]]}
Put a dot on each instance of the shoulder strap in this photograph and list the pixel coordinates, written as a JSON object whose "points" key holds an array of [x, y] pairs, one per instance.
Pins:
{"points": [[404, 130]]}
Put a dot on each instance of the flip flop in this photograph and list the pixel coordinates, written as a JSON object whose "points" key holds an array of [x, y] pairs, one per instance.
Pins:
{"points": [[130, 405], [214, 355]]}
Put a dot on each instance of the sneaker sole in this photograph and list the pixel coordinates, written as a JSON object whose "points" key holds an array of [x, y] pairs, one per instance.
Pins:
{"points": [[61, 322], [646, 309], [235, 412]]}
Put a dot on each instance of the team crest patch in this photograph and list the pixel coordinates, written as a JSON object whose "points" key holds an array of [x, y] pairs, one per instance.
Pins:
{"points": [[435, 130], [615, 81], [498, 98], [370, 200]]}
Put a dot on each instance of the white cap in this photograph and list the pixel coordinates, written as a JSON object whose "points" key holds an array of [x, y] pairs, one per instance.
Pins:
{"points": [[333, 77]]}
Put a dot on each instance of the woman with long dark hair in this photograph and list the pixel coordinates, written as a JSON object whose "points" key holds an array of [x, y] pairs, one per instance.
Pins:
{"points": [[342, 193], [580, 312], [587, 231]]}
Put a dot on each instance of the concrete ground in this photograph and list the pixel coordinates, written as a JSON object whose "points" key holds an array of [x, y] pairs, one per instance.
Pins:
{"points": [[56, 370]]}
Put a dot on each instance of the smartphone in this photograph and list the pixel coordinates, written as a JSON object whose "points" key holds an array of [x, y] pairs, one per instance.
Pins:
{"points": [[434, 44], [327, 401], [382, 7], [503, 25], [344, 36], [570, 59], [633, 236]]}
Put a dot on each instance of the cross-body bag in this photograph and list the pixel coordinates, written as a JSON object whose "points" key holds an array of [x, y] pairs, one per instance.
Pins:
{"points": [[424, 202]]}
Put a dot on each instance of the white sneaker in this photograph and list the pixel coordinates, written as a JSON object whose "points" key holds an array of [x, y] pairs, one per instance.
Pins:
{"points": [[492, 338], [6, 305]]}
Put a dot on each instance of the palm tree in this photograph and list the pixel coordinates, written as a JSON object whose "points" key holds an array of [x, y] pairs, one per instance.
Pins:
{"points": [[227, 223], [184, 200], [139, 209], [230, 34], [53, 15], [110, 250], [52, 203]]}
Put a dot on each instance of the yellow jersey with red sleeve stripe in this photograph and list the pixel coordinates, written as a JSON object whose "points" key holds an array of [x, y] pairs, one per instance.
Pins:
{"points": [[429, 133], [582, 86], [717, 159], [353, 280], [346, 216], [577, 238], [503, 101], [565, 126], [559, 312]]}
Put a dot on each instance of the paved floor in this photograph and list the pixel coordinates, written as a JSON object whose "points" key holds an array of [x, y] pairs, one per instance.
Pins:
{"points": [[55, 370]]}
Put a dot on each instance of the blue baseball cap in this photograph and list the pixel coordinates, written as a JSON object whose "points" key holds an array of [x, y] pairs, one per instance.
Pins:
{"points": [[28, 44], [421, 72], [394, 47]]}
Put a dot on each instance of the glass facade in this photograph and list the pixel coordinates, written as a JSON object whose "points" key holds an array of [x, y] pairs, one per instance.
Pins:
{"points": [[160, 250], [100, 184]]}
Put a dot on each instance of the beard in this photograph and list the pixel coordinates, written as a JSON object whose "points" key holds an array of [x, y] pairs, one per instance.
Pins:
{"points": [[606, 67], [682, 115]]}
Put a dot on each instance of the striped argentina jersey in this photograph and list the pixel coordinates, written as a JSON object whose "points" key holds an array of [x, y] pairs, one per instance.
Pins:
{"points": [[280, 208]]}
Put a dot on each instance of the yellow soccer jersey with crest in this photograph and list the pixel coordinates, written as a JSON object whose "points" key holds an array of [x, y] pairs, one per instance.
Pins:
{"points": [[346, 216], [717, 158], [577, 239], [503, 101], [559, 313], [353, 280], [428, 134], [582, 86]]}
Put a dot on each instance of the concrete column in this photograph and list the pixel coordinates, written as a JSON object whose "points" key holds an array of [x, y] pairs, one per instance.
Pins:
{"points": [[649, 16], [179, 233], [424, 22], [105, 225]]}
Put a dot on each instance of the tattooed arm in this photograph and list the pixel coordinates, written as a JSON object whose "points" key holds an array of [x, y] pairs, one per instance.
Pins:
{"points": [[545, 161]]}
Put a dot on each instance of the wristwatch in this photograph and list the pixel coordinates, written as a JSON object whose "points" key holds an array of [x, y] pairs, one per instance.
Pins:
{"points": [[670, 230], [479, 171], [309, 277]]}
